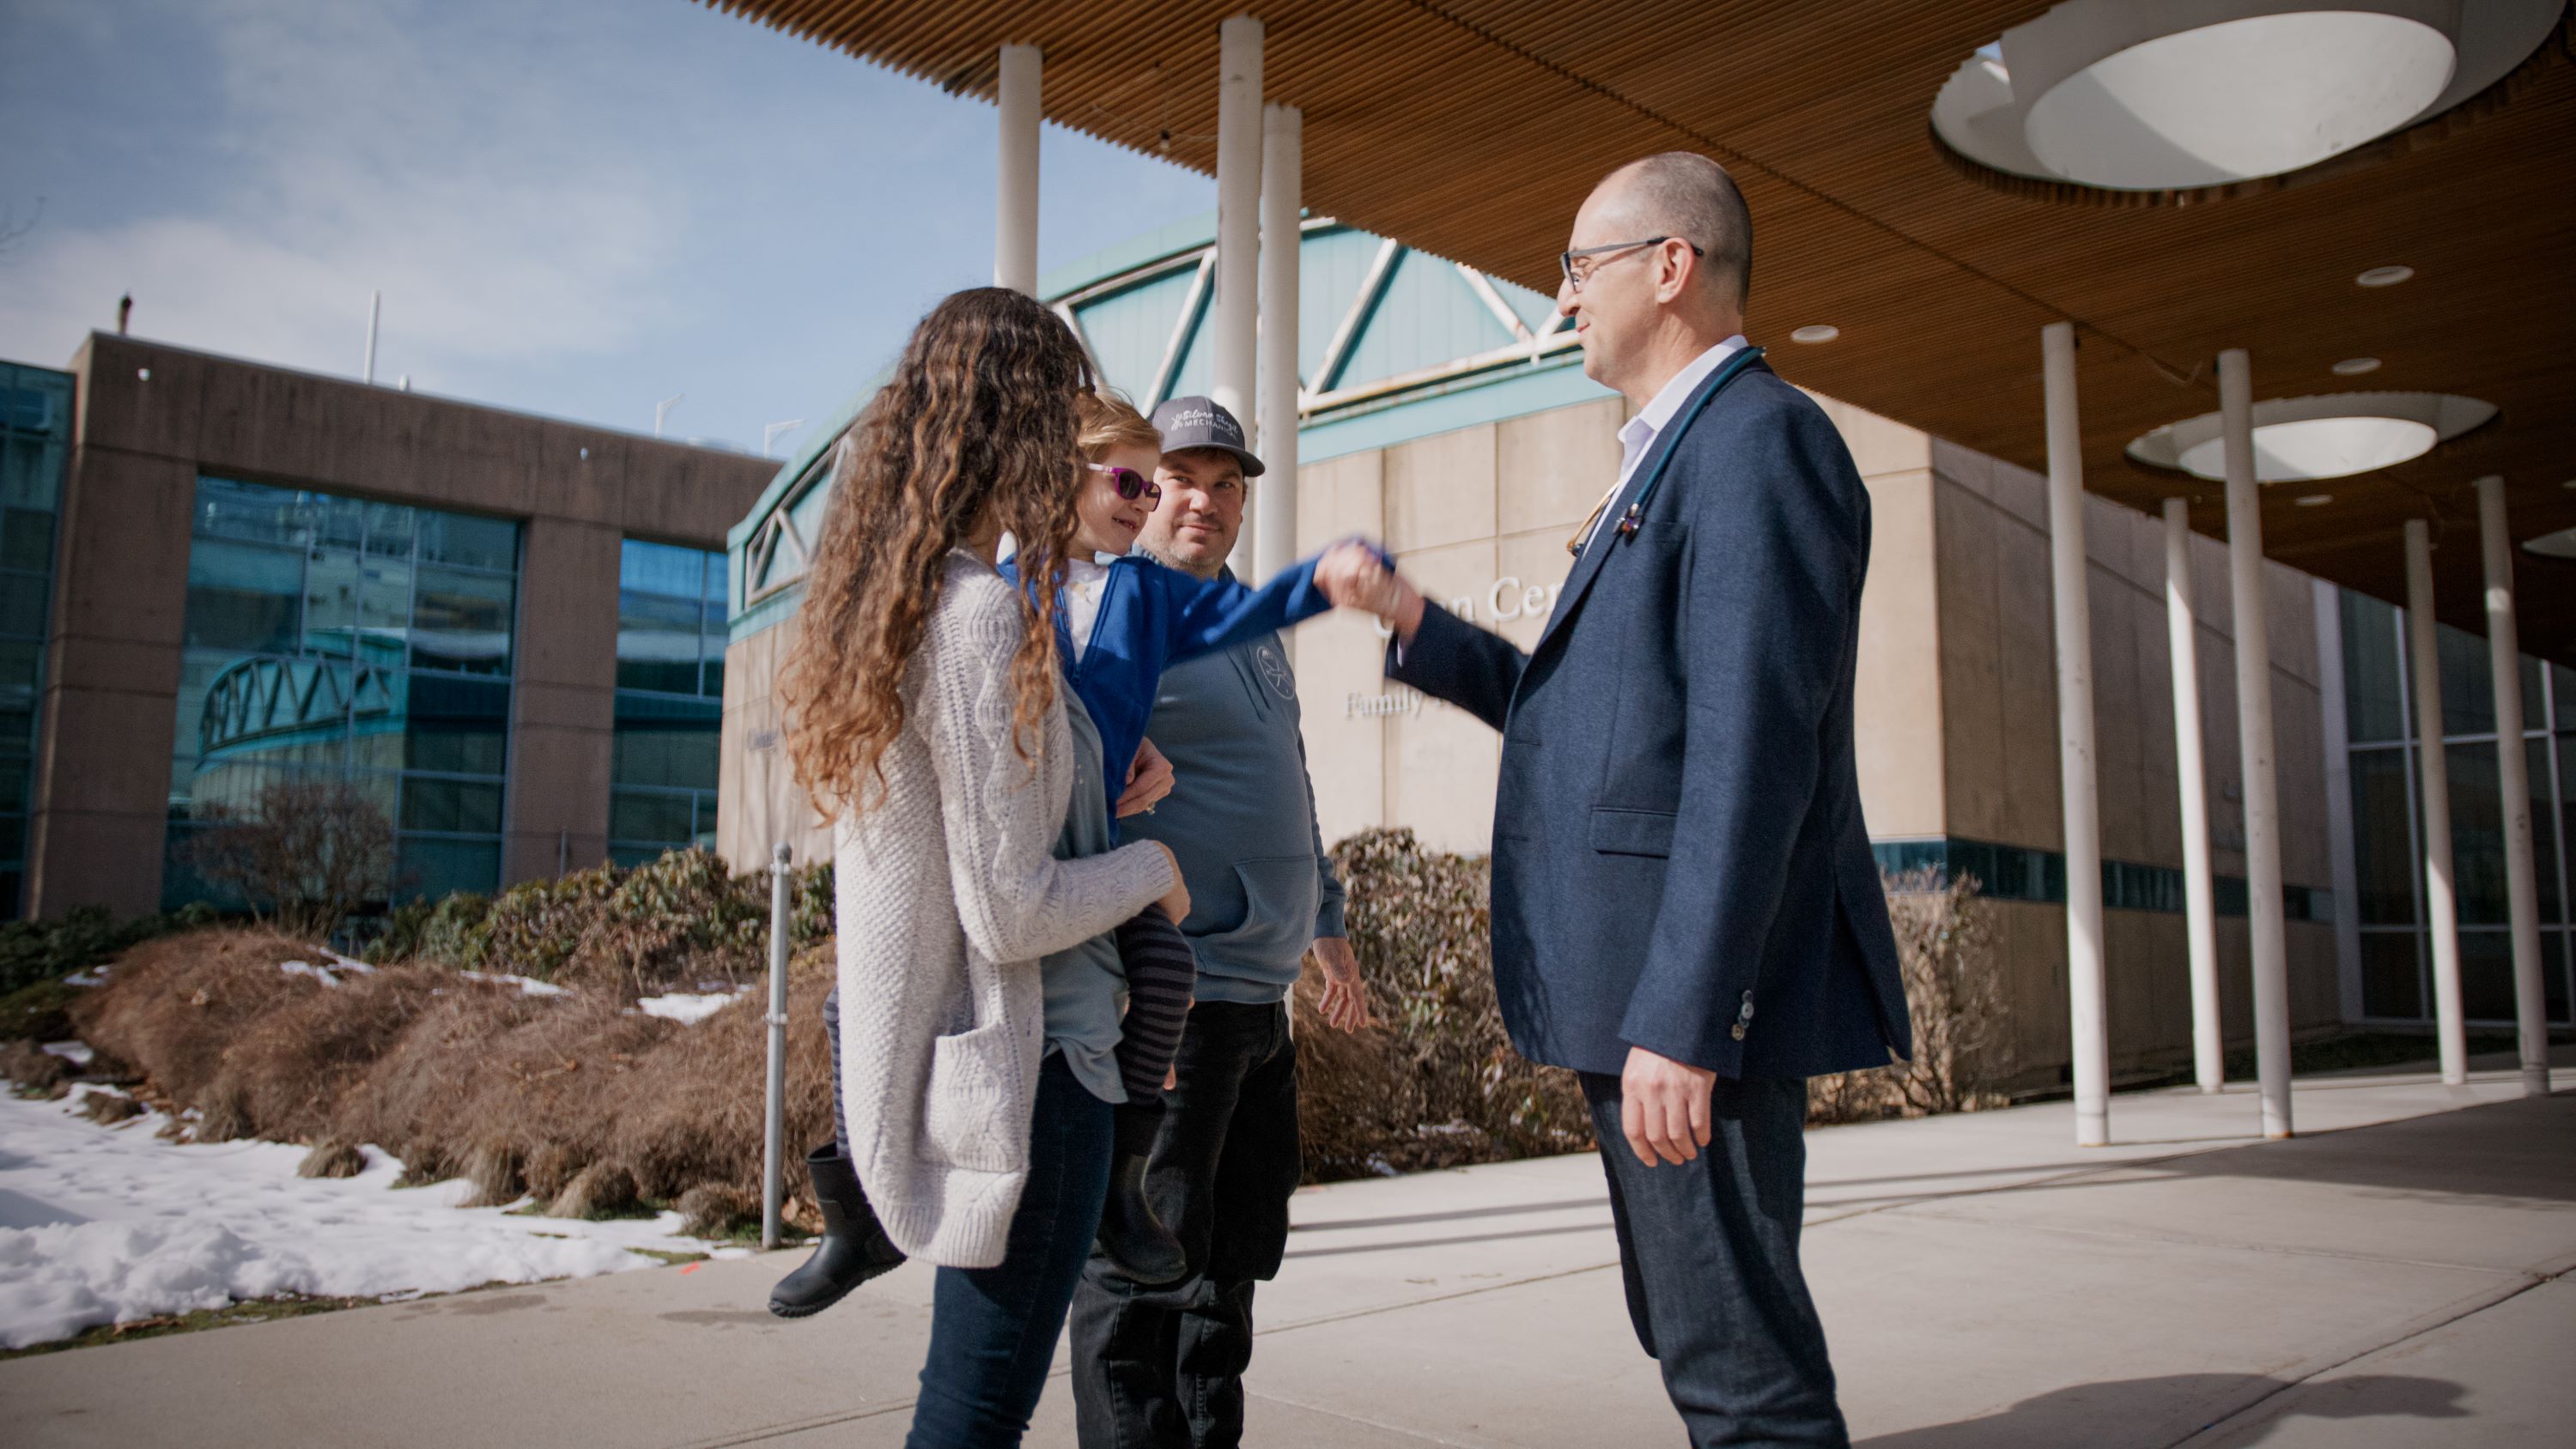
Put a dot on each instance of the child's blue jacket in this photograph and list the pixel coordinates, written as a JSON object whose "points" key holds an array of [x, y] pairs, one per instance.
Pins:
{"points": [[1152, 617]]}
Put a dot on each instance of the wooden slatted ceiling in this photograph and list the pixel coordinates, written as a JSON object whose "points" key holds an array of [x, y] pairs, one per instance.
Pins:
{"points": [[1472, 129]]}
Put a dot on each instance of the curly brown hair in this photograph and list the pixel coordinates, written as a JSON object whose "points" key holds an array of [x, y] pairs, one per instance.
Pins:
{"points": [[976, 427]]}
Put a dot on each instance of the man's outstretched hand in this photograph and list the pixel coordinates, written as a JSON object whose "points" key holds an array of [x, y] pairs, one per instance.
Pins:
{"points": [[1353, 576], [1345, 1003], [1663, 1107]]}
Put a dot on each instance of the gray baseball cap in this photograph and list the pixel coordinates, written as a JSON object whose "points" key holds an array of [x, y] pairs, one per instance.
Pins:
{"points": [[1198, 422]]}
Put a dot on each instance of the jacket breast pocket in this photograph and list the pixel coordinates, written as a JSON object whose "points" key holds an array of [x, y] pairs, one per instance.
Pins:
{"points": [[1632, 832]]}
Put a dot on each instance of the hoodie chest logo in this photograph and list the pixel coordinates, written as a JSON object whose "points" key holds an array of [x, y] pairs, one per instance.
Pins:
{"points": [[1274, 671]]}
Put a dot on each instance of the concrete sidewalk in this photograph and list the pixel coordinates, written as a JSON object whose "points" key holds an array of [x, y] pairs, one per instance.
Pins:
{"points": [[2393, 1277]]}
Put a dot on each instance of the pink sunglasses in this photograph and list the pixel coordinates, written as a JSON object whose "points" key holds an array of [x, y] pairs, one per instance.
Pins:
{"points": [[1131, 485]]}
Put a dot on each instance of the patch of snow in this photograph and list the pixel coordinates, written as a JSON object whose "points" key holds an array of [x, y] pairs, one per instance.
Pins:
{"points": [[109, 1224], [686, 1007], [75, 1052], [307, 968], [528, 985], [348, 963], [95, 976]]}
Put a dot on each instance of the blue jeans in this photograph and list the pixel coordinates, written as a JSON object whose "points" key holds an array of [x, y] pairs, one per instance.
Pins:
{"points": [[993, 1330], [1708, 1250]]}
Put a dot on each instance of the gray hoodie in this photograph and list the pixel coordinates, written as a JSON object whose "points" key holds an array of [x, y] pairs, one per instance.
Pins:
{"points": [[1241, 820]]}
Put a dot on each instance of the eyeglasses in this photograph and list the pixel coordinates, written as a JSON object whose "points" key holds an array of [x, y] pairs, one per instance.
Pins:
{"points": [[1575, 277], [1131, 485]]}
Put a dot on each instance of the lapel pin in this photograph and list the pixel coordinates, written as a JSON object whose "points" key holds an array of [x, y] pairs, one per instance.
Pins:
{"points": [[1628, 524]]}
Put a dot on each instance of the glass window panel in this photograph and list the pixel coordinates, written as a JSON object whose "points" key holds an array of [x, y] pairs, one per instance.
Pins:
{"points": [[2544, 839], [662, 568], [2486, 975], [2477, 834], [458, 806], [469, 542], [17, 731], [22, 604], [683, 758], [657, 642], [26, 539], [2466, 670], [635, 815], [252, 513], [457, 726], [337, 522], [13, 786], [19, 662], [243, 598], [389, 530], [2562, 684], [436, 868], [31, 474], [2374, 704], [2383, 851], [712, 681], [384, 606], [462, 622], [2553, 974], [330, 601]]}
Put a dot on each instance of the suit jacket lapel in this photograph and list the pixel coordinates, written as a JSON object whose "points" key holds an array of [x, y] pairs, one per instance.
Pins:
{"points": [[1605, 534]]}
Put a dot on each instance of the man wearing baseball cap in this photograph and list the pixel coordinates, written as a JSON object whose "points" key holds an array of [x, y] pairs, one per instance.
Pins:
{"points": [[1164, 1366]]}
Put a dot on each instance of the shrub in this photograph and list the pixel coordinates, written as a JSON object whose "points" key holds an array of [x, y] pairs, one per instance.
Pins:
{"points": [[38, 1012], [33, 951], [306, 855], [1436, 1082], [671, 922], [1945, 944]]}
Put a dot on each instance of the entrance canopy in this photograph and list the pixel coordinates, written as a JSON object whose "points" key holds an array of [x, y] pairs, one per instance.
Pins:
{"points": [[2432, 253]]}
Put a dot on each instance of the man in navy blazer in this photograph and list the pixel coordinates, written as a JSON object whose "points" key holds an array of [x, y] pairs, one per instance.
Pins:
{"points": [[1685, 907]]}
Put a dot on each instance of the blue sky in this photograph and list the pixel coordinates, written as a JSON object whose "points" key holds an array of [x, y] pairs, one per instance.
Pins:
{"points": [[576, 207]]}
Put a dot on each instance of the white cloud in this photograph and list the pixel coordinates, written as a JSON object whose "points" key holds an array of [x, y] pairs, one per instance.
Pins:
{"points": [[363, 148]]}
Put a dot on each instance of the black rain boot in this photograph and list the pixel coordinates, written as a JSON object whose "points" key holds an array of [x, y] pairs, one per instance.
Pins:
{"points": [[1131, 1237], [854, 1248]]}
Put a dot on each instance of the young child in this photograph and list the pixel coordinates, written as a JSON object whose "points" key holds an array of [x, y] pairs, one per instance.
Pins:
{"points": [[1121, 621]]}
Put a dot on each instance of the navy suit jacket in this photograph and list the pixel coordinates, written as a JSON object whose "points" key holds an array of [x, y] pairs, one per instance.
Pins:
{"points": [[1679, 857]]}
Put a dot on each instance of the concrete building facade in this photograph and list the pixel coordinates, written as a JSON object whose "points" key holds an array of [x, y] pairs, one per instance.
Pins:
{"points": [[265, 574]]}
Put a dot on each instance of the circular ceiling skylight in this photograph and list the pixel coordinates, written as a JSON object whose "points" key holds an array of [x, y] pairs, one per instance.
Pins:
{"points": [[2561, 544], [2169, 95], [2300, 439]]}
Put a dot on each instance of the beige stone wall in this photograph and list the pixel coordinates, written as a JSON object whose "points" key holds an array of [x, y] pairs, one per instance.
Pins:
{"points": [[150, 418]]}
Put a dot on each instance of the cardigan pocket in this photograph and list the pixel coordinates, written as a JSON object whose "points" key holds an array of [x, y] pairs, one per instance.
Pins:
{"points": [[970, 1120]]}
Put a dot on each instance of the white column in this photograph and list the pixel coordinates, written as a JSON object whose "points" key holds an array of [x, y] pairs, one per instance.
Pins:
{"points": [[2191, 779], [2265, 930], [1235, 318], [2087, 1020], [2513, 774], [1275, 495], [1015, 211], [2433, 787]]}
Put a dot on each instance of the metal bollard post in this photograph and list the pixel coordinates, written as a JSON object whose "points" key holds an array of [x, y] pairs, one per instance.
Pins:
{"points": [[772, 1163]]}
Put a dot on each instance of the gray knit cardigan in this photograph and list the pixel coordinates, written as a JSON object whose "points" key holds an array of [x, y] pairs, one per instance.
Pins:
{"points": [[947, 894]]}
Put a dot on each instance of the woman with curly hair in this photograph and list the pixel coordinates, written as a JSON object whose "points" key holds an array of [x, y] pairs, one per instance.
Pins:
{"points": [[928, 717]]}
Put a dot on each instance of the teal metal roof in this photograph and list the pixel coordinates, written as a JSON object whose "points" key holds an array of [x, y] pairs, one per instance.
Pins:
{"points": [[1393, 344]]}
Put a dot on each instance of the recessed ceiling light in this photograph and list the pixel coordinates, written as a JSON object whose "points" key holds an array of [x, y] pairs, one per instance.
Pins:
{"points": [[2356, 366], [1820, 332], [2384, 276], [2316, 500], [2305, 439]]}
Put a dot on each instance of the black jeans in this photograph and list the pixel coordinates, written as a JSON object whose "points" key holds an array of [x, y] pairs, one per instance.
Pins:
{"points": [[993, 1330], [1708, 1250], [1163, 1368]]}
